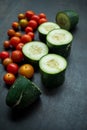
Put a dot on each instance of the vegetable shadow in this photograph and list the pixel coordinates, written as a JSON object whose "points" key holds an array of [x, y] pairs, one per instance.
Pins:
{"points": [[21, 114]]}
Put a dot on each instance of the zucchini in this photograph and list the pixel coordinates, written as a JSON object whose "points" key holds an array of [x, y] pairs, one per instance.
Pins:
{"points": [[59, 41], [52, 69], [22, 93], [44, 28], [67, 19], [34, 50]]}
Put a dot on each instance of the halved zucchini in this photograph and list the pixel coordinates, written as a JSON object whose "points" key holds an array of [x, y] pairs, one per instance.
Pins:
{"points": [[59, 41], [52, 68], [67, 19], [44, 28], [34, 50]]}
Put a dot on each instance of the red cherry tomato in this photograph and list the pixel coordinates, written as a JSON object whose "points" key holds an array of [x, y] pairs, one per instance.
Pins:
{"points": [[14, 41], [42, 20], [35, 17], [19, 46], [42, 15], [33, 24], [29, 14], [31, 34], [4, 54], [25, 38], [9, 78], [12, 68], [17, 56], [28, 29]]}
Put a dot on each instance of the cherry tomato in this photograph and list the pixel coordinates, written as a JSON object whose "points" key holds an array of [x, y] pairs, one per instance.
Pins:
{"points": [[4, 54], [9, 78], [25, 38], [12, 68], [35, 17], [11, 32], [18, 34], [23, 23], [19, 46], [33, 24], [6, 44], [21, 16], [42, 20], [26, 70], [17, 56], [31, 34], [7, 61], [14, 41], [29, 14], [42, 15], [28, 29], [15, 25]]}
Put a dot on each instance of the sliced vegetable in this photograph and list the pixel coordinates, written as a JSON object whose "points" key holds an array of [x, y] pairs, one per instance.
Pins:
{"points": [[67, 19], [22, 93], [52, 68], [34, 50], [59, 41], [44, 28]]}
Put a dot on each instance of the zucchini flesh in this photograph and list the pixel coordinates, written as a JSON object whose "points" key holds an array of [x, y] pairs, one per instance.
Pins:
{"points": [[67, 19], [59, 41], [44, 28], [52, 68], [35, 50]]}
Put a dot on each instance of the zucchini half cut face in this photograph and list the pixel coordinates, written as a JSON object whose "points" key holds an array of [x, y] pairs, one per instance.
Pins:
{"points": [[34, 50], [52, 68], [59, 41]]}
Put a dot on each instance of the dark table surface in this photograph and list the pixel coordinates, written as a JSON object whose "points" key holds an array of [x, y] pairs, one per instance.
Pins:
{"points": [[63, 108]]}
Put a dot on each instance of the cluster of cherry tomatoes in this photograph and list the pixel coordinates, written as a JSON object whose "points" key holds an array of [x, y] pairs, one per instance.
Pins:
{"points": [[21, 32]]}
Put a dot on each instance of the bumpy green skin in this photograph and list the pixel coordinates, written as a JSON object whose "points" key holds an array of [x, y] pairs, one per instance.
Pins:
{"points": [[25, 91], [52, 80], [63, 50], [72, 16]]}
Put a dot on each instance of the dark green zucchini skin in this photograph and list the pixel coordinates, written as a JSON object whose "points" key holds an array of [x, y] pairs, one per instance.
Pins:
{"points": [[52, 80], [42, 37], [63, 50], [72, 16], [22, 93]]}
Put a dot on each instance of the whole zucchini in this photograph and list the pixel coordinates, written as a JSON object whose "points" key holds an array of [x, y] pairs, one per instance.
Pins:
{"points": [[22, 93]]}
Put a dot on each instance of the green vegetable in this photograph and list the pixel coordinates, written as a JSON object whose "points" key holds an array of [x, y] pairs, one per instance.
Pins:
{"points": [[22, 93], [34, 50], [52, 68], [44, 28], [59, 41], [67, 19]]}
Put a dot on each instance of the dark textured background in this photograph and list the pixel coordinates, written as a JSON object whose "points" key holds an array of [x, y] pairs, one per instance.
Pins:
{"points": [[64, 108]]}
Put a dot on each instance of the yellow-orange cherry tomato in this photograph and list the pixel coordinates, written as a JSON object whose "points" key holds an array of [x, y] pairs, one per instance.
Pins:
{"points": [[6, 44], [15, 25], [23, 23], [7, 61], [26, 70], [11, 32], [21, 16]]}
